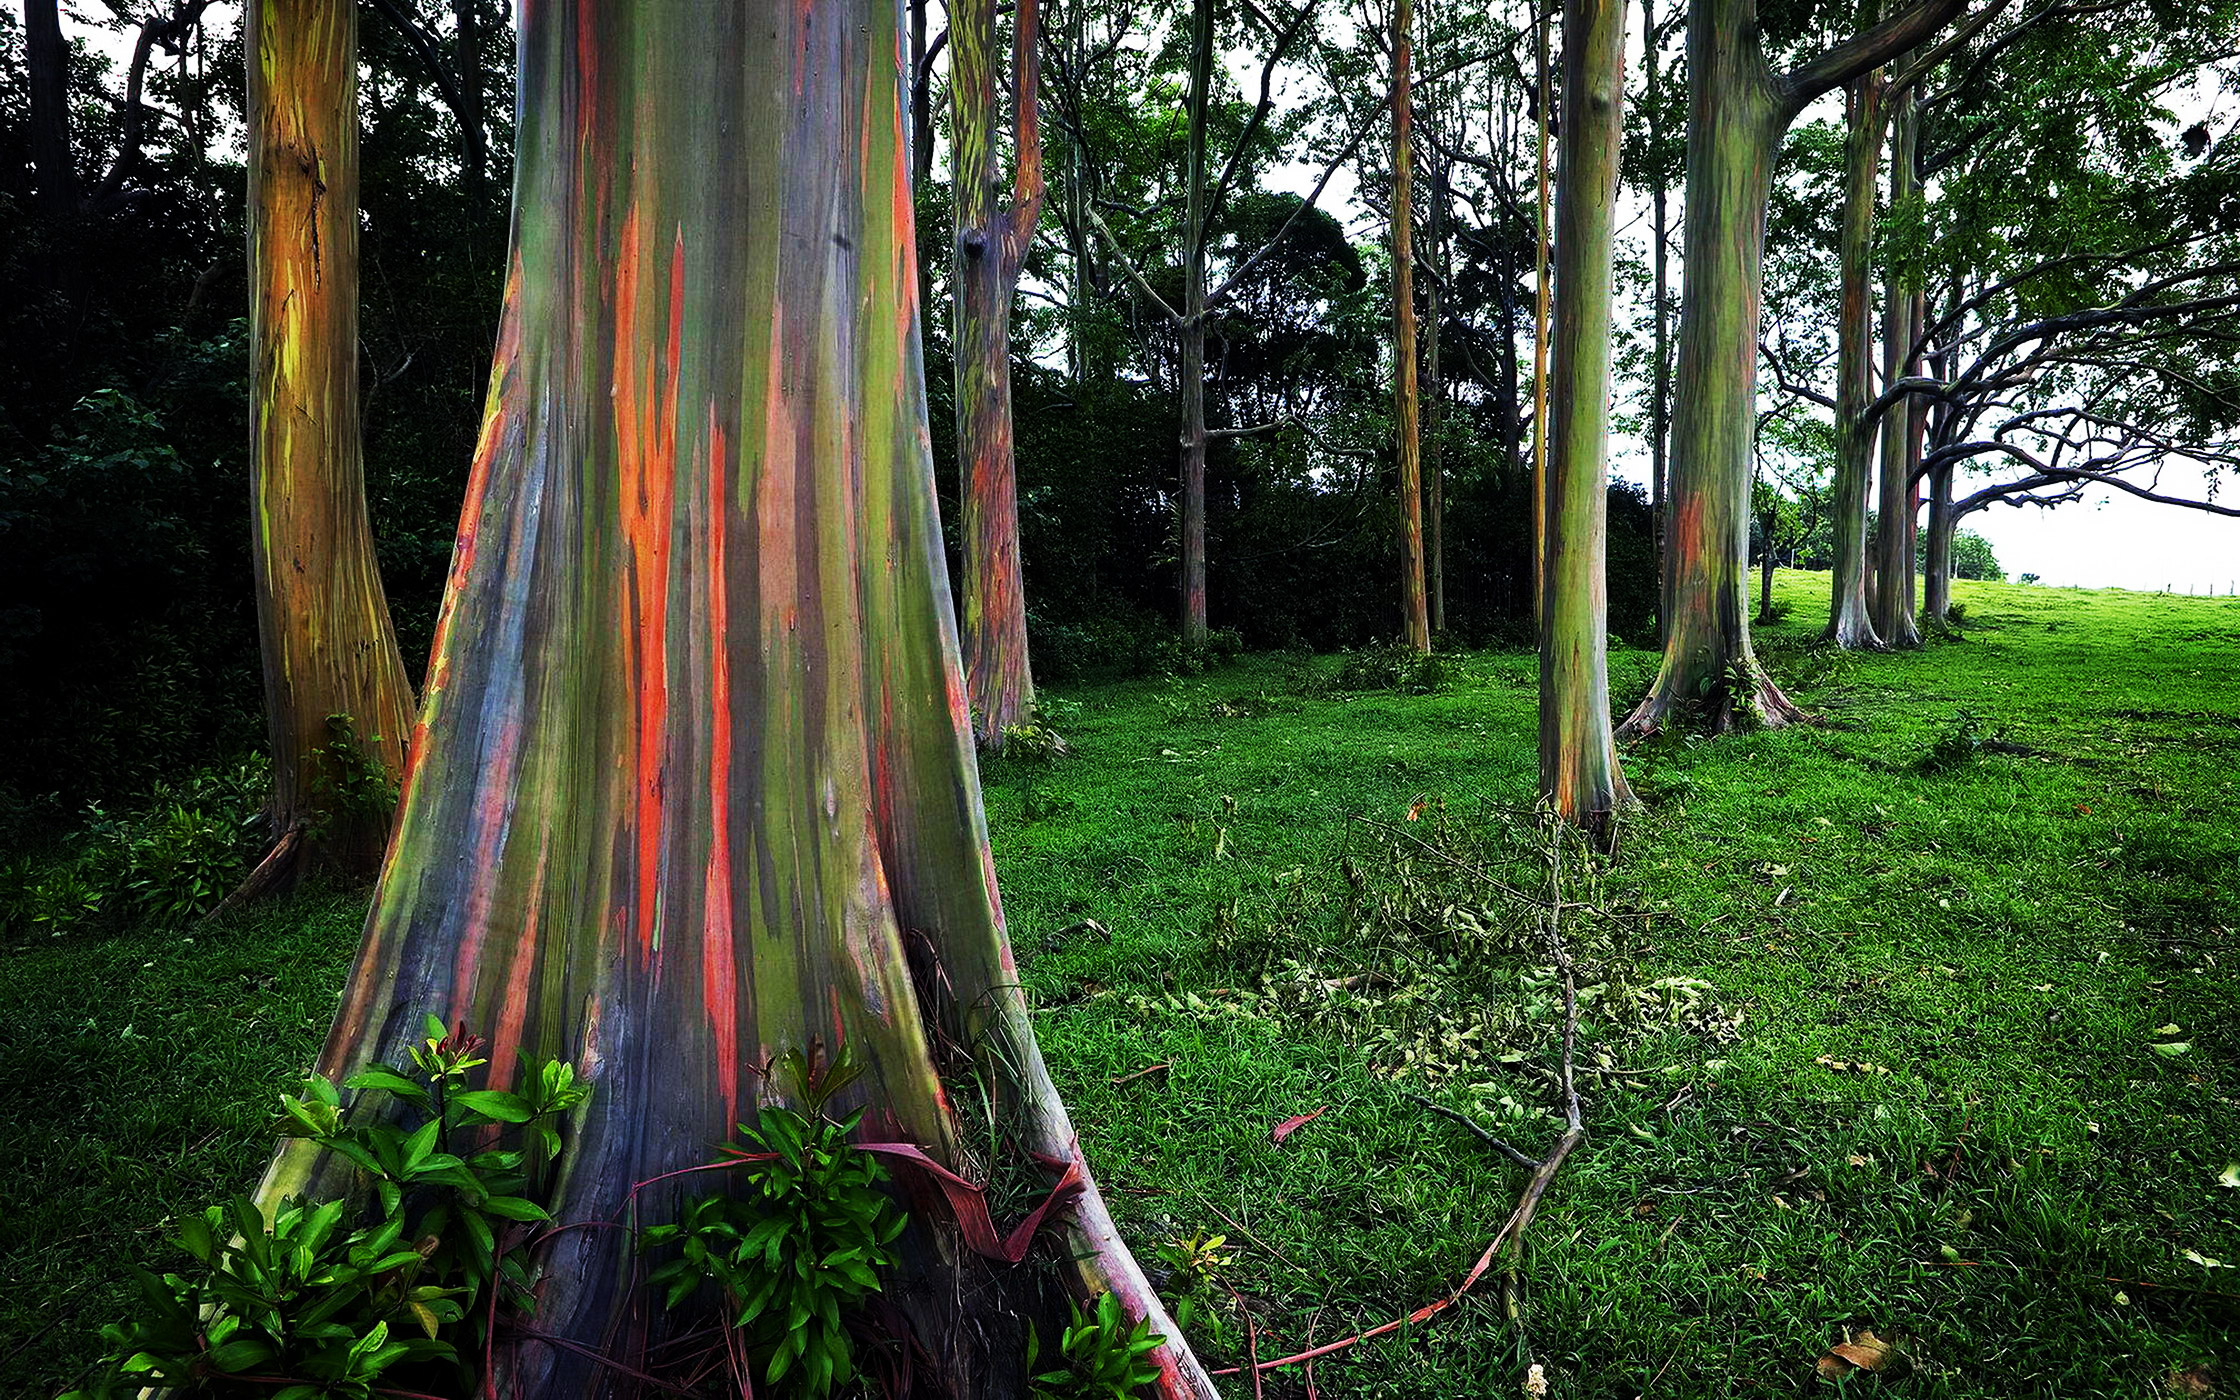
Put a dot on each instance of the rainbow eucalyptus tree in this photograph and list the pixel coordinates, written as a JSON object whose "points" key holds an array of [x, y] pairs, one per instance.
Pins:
{"points": [[992, 237], [336, 699], [1415, 615], [1900, 499], [1849, 623], [1738, 109], [693, 783], [1579, 773]]}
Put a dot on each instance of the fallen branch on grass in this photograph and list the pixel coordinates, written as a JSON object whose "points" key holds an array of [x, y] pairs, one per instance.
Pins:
{"points": [[1510, 1236]]}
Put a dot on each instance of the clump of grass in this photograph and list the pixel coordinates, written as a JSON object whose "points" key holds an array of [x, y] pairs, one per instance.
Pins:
{"points": [[1397, 667]]}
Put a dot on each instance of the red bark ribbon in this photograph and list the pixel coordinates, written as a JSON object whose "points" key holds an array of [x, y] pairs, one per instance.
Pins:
{"points": [[969, 1203]]}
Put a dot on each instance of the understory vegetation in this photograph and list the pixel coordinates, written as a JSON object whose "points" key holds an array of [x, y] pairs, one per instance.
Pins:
{"points": [[1906, 1039]]}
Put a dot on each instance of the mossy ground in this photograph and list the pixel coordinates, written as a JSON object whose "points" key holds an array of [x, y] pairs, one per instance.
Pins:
{"points": [[2001, 872]]}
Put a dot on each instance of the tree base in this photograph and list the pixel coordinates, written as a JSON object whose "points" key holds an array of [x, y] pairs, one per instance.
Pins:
{"points": [[1745, 698]]}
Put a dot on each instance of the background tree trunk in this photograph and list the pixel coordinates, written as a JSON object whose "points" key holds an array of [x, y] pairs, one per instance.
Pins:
{"points": [[1737, 111], [1848, 614], [1579, 773], [694, 772], [329, 648], [1192, 381], [1415, 614], [1660, 386], [1898, 507], [47, 60], [992, 237], [1735, 119]]}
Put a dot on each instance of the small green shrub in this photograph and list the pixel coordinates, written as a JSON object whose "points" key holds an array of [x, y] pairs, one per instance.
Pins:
{"points": [[1100, 1357], [801, 1249], [303, 1308], [1034, 742], [1397, 667], [1958, 743]]}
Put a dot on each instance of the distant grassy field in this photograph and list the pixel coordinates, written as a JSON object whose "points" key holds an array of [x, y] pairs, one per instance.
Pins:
{"points": [[1918, 1022]]}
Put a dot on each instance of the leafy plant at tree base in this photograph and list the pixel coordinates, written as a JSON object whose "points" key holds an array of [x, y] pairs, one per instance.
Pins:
{"points": [[1101, 1357], [302, 1307], [802, 1248]]}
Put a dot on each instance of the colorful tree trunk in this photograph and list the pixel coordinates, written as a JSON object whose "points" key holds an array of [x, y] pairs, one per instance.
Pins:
{"points": [[1660, 370], [1848, 617], [329, 648], [1434, 467], [1192, 329], [1415, 613], [694, 783], [1579, 773], [992, 237], [1738, 108], [1898, 506]]}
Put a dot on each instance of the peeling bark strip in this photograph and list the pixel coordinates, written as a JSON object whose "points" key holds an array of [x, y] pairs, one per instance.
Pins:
{"points": [[328, 645], [694, 761], [991, 243], [1579, 774]]}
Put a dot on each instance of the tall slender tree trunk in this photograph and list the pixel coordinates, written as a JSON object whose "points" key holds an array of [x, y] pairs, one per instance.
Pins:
{"points": [[1660, 371], [473, 162], [47, 61], [1710, 672], [337, 702], [1544, 16], [1898, 507], [1415, 613], [1849, 623], [1192, 382], [1738, 109], [1936, 565], [1434, 461], [920, 87], [1579, 773], [992, 237], [693, 783]]}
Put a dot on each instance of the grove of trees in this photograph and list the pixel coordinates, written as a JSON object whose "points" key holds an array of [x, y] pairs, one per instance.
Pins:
{"points": [[860, 365]]}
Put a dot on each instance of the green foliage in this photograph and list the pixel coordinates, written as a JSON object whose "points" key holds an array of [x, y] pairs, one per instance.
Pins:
{"points": [[1099, 1357], [1959, 742], [305, 1306], [351, 782], [1394, 666], [801, 1248], [166, 864]]}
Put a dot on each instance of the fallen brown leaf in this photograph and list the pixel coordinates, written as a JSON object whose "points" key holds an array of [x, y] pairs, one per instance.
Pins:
{"points": [[2195, 1382], [1860, 1351]]}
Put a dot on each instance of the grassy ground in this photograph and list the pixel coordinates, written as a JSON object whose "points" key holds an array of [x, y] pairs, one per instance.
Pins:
{"points": [[1874, 1007]]}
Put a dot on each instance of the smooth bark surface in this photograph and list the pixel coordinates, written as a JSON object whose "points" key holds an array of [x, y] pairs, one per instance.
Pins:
{"points": [[1848, 615], [1192, 330], [1415, 614], [1898, 506], [1660, 241], [694, 784], [1579, 773], [328, 645], [992, 236]]}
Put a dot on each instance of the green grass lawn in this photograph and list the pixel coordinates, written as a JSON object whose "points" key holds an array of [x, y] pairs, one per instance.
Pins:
{"points": [[1872, 1028]]}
